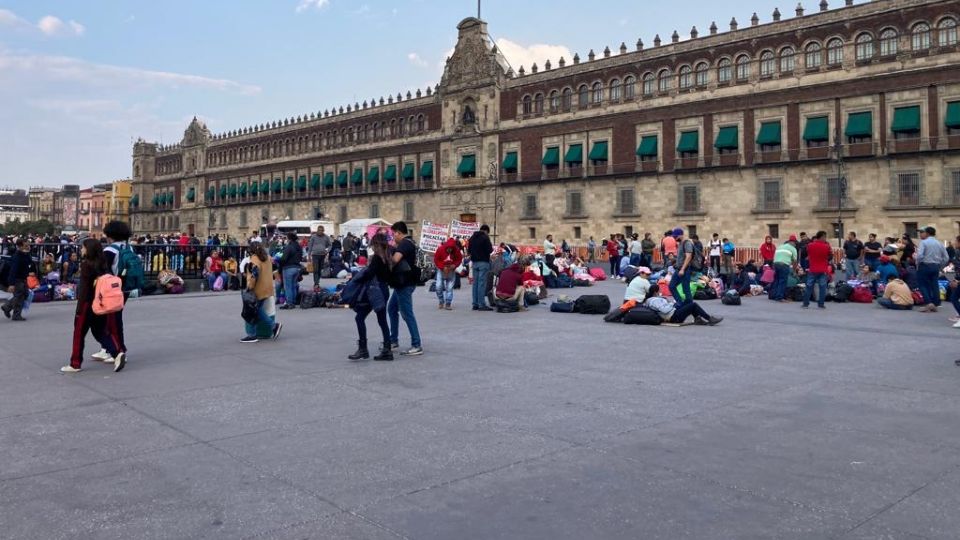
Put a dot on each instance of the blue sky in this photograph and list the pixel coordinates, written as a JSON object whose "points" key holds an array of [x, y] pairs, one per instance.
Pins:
{"points": [[79, 80]]}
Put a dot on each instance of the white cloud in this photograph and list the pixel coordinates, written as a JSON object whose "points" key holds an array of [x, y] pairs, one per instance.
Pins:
{"points": [[304, 5], [525, 55], [415, 59], [54, 26]]}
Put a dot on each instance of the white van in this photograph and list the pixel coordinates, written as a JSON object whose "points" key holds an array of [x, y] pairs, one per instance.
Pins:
{"points": [[303, 228]]}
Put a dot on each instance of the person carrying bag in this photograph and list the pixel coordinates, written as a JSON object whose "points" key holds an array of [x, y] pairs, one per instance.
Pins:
{"points": [[259, 302]]}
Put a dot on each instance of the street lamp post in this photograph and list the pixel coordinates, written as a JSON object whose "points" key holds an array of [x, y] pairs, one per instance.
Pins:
{"points": [[841, 187], [497, 199]]}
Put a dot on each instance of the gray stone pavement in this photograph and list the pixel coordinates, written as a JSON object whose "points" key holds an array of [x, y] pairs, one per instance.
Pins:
{"points": [[779, 423]]}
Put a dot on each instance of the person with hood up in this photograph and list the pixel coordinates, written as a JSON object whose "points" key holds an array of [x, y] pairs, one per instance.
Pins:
{"points": [[446, 259], [768, 250]]}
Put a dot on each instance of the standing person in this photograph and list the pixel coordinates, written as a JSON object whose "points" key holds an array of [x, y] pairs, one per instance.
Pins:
{"points": [[479, 248], [290, 270], [318, 247], [259, 278], [550, 253], [729, 250], [906, 248], [931, 258], [123, 263], [683, 265], [373, 281], [636, 250], [92, 266], [872, 251], [591, 251], [668, 247], [802, 250], [768, 250], [784, 259], [647, 246], [446, 260], [612, 249], [715, 245], [853, 251], [21, 267], [818, 257], [349, 243], [404, 282]]}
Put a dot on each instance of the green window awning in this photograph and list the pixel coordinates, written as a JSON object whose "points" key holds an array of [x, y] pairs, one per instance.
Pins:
{"points": [[468, 165], [135, 201], [426, 170], [328, 180], [390, 174], [574, 154], [254, 184], [510, 162], [599, 151], [192, 194], [288, 184], [342, 178], [233, 190], [817, 129], [648, 146], [689, 142], [301, 183], [727, 138], [315, 181], [357, 177], [171, 197], [223, 191], [906, 119], [551, 158], [769, 133], [265, 186], [242, 189], [211, 193], [409, 171], [859, 124], [953, 115], [156, 200], [373, 175]]}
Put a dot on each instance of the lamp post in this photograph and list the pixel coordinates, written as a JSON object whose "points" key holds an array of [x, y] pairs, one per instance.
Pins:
{"points": [[497, 199], [841, 187]]}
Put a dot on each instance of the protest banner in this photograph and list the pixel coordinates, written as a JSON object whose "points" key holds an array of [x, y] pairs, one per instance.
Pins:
{"points": [[432, 235], [463, 229]]}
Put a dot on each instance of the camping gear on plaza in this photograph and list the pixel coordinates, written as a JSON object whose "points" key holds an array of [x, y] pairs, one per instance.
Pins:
{"points": [[561, 307], [107, 295], [507, 306], [642, 315], [731, 298], [843, 292], [592, 304], [862, 295], [598, 274]]}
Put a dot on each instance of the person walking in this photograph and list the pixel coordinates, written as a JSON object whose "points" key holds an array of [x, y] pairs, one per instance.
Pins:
{"points": [[784, 259], [404, 277], [818, 260], [931, 258], [259, 278], [446, 260], [683, 265], [21, 267], [372, 296], [318, 247], [126, 265], [479, 248], [290, 270], [591, 251], [349, 244], [853, 252]]}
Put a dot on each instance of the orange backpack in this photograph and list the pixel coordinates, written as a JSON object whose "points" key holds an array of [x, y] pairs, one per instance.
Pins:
{"points": [[108, 295]]}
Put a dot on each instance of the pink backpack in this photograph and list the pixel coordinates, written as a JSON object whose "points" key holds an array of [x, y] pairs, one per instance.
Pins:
{"points": [[107, 295], [598, 274], [218, 283]]}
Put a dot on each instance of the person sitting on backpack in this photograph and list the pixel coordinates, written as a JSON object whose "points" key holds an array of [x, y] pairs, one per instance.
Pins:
{"points": [[510, 285], [638, 283], [896, 295], [674, 313], [169, 281], [886, 270]]}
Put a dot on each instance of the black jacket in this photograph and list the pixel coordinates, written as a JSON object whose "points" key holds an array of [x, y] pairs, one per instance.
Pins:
{"points": [[21, 264], [291, 255], [480, 247]]}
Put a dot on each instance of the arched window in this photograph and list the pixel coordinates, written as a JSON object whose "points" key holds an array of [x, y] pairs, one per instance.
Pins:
{"points": [[701, 74], [648, 81], [567, 102], [393, 128], [947, 30], [743, 67], [686, 77], [538, 103], [835, 52], [663, 80], [583, 96], [554, 101], [766, 64], [350, 135], [376, 130], [920, 38], [402, 128], [527, 105], [422, 121], [615, 90], [864, 47], [813, 56], [723, 70], [596, 94], [787, 60], [629, 87], [889, 42]]}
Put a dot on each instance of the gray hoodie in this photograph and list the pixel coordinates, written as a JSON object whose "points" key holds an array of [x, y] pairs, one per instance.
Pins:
{"points": [[319, 244]]}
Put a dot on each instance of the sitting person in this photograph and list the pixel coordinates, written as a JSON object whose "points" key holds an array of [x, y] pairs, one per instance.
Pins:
{"points": [[510, 285], [670, 313], [638, 283], [233, 275], [47, 265], [170, 282], [71, 269], [897, 295], [886, 270], [213, 269]]}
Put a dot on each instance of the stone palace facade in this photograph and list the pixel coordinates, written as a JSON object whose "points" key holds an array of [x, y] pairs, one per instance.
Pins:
{"points": [[737, 132]]}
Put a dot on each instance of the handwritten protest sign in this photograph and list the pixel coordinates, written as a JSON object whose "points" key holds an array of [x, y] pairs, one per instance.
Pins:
{"points": [[463, 229], [432, 235]]}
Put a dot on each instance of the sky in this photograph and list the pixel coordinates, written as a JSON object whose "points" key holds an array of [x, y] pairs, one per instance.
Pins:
{"points": [[81, 80]]}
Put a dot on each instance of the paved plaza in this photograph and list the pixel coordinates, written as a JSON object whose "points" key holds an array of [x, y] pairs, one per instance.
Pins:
{"points": [[779, 423]]}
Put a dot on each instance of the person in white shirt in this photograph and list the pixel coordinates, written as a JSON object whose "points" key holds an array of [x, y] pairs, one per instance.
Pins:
{"points": [[715, 245], [636, 250], [638, 284]]}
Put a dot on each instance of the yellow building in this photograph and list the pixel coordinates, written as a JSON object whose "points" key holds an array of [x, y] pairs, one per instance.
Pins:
{"points": [[117, 201]]}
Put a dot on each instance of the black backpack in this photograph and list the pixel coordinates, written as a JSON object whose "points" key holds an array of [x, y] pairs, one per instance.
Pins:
{"points": [[642, 315], [592, 304], [731, 298], [843, 292], [507, 306], [531, 298]]}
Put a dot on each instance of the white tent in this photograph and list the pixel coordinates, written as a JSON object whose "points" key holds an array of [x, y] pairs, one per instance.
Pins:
{"points": [[359, 226]]}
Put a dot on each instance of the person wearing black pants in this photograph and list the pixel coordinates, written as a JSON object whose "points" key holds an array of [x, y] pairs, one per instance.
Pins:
{"points": [[374, 278], [21, 267]]}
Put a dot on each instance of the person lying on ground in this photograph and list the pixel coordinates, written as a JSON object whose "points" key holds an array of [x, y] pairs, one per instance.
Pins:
{"points": [[670, 313]]}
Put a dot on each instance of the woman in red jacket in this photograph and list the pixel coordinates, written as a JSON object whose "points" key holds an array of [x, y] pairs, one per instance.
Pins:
{"points": [[613, 254], [447, 258], [768, 250]]}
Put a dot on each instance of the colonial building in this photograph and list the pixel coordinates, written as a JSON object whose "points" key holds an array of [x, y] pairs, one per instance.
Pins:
{"points": [[765, 128], [14, 206], [41, 203]]}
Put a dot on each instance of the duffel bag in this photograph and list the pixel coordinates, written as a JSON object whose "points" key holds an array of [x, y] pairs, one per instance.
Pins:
{"points": [[730, 298], [844, 290], [308, 300], [614, 316], [565, 281], [642, 315], [531, 298], [561, 307], [862, 295], [507, 306], [592, 304]]}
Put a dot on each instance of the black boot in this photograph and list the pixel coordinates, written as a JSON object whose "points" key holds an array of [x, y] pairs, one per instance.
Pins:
{"points": [[386, 353], [362, 352]]}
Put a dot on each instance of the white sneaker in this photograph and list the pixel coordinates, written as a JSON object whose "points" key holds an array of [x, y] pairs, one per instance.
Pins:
{"points": [[69, 369], [956, 324], [119, 361], [103, 355]]}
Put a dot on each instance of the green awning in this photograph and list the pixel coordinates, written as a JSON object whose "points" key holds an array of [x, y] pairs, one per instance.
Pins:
{"points": [[510, 162], [342, 178], [288, 184], [953, 115], [253, 188], [156, 200], [135, 201], [265, 186], [211, 193], [426, 170], [357, 177], [390, 174], [727, 138], [859, 124], [301, 183], [648, 146], [233, 190], [192, 194], [468, 165], [817, 129], [769, 133], [409, 171], [574, 154], [242, 189], [906, 119], [599, 151], [223, 191], [328, 180], [373, 175], [552, 157], [689, 142], [171, 196], [315, 181]]}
